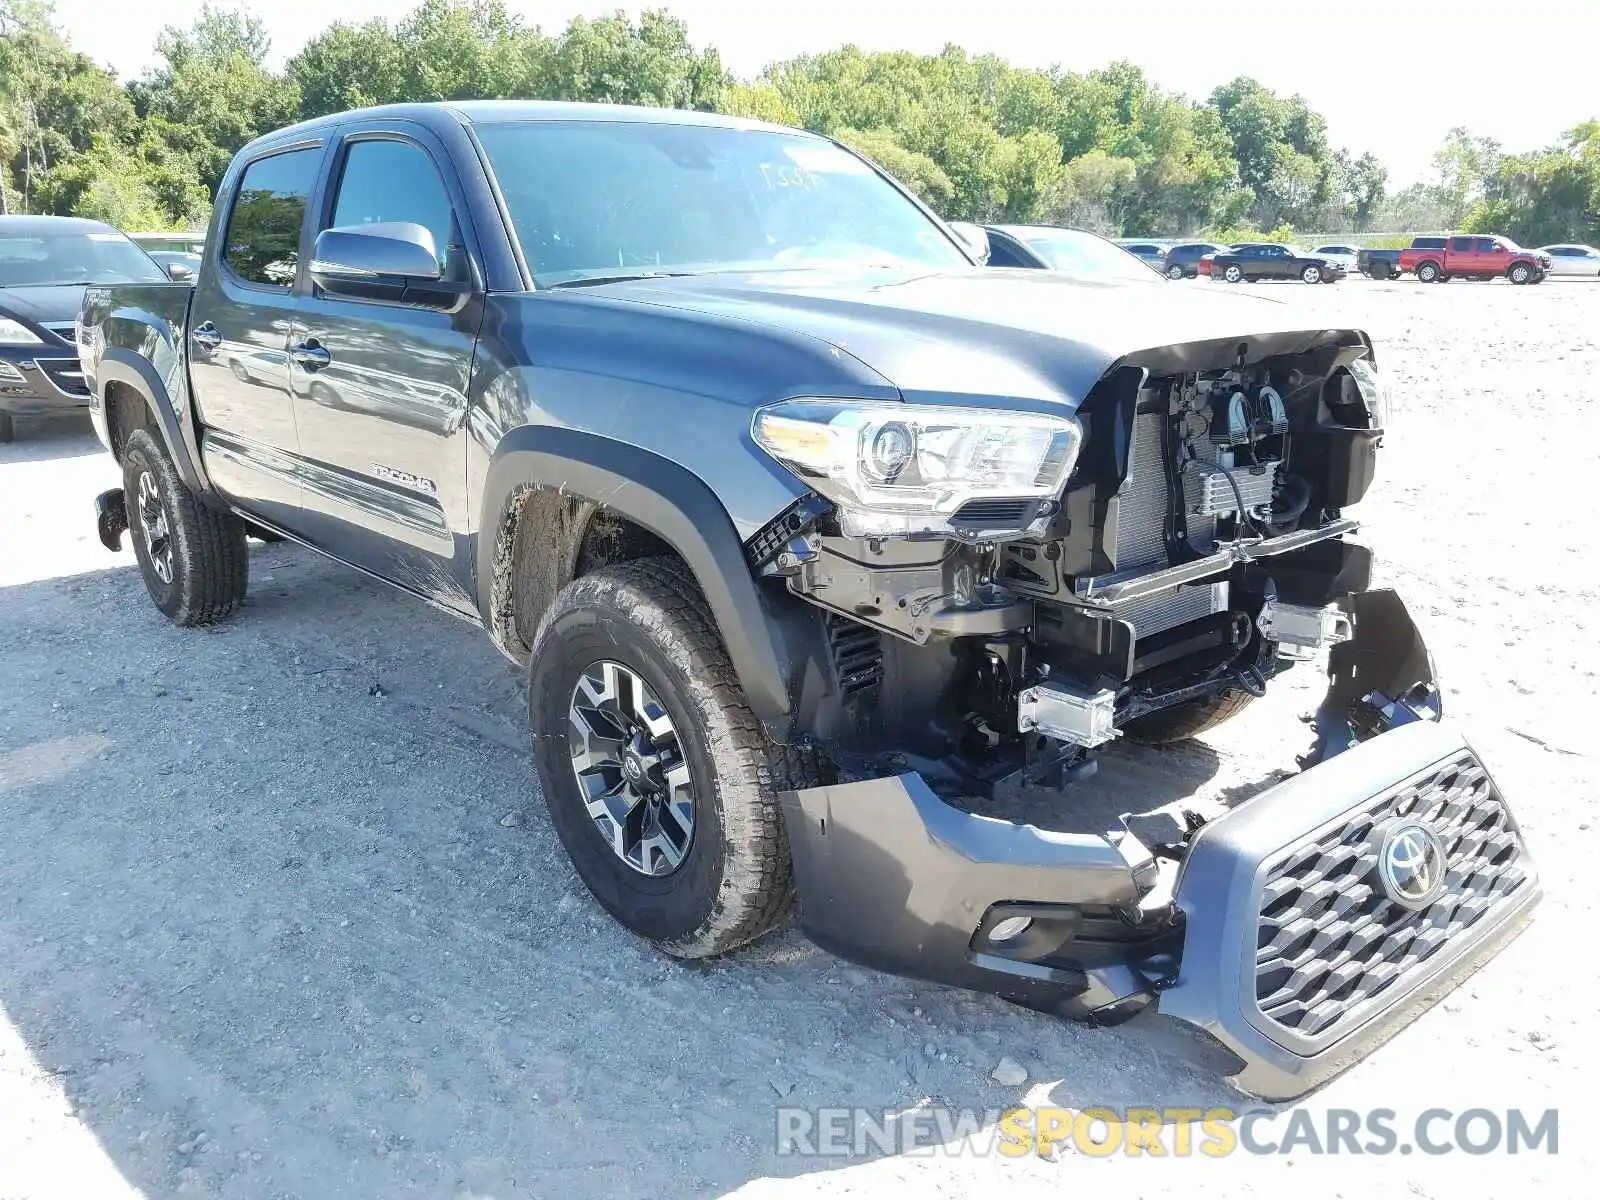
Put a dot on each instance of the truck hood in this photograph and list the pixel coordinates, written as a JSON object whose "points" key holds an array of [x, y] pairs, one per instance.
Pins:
{"points": [[992, 333]]}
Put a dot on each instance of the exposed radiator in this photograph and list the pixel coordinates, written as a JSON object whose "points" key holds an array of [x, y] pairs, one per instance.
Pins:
{"points": [[1160, 611], [1140, 539]]}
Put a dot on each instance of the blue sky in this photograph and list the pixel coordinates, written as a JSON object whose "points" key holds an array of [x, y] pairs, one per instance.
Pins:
{"points": [[1358, 61]]}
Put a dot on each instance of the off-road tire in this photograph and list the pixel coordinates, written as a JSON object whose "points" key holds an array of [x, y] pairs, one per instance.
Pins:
{"points": [[8, 428], [1429, 273], [1184, 721], [210, 560], [735, 881]]}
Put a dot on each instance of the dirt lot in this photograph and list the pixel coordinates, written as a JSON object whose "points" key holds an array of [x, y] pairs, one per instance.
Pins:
{"points": [[280, 913]]}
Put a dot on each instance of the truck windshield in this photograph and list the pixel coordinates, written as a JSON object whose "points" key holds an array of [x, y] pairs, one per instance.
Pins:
{"points": [[39, 260], [592, 200], [1085, 255]]}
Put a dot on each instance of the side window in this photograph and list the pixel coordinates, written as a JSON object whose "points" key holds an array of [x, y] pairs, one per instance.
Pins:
{"points": [[1461, 243], [386, 180], [1001, 254], [262, 244]]}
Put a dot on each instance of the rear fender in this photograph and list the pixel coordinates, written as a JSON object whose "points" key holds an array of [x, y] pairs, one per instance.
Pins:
{"points": [[123, 368]]}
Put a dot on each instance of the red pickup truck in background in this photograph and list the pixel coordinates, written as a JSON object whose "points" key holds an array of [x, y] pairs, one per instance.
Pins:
{"points": [[1475, 256]]}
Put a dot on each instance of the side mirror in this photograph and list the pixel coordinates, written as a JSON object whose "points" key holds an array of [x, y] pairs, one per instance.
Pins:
{"points": [[973, 238], [383, 252], [179, 272]]}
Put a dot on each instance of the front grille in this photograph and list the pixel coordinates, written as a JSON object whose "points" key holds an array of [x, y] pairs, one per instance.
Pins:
{"points": [[857, 655], [1329, 939]]}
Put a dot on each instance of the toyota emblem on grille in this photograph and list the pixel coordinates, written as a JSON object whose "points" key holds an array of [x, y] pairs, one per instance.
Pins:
{"points": [[1411, 864]]}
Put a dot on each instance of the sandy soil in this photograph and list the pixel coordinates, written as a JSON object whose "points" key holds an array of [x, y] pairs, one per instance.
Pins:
{"points": [[280, 914]]}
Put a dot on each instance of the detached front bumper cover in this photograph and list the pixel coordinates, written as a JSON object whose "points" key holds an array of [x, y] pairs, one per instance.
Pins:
{"points": [[1285, 941]]}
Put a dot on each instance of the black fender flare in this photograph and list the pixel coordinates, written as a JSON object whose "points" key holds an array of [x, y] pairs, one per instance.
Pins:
{"points": [[671, 502], [128, 369]]}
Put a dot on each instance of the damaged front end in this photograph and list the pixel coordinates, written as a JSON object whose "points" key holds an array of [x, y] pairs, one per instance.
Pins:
{"points": [[1151, 569], [1298, 930]]}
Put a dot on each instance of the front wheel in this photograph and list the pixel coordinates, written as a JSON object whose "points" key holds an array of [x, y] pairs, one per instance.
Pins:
{"points": [[660, 781], [1520, 273], [1233, 274], [194, 559], [1184, 721], [1311, 275], [1174, 272]]}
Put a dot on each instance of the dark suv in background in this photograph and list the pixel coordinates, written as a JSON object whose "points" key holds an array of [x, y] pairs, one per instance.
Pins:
{"points": [[1183, 260], [45, 264]]}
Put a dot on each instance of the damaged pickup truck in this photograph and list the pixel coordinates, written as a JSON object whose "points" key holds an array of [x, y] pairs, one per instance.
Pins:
{"points": [[818, 539]]}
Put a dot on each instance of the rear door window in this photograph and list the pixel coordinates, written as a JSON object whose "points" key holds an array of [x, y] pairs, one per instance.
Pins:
{"points": [[1463, 244], [262, 243]]}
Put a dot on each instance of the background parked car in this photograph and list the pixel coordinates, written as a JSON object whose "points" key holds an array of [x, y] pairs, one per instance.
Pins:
{"points": [[1183, 260], [190, 243], [181, 265], [1074, 252], [45, 264], [1476, 256], [1573, 260], [1152, 253], [1251, 261], [1344, 255]]}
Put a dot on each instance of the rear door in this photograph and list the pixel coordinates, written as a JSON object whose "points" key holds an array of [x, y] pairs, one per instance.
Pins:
{"points": [[239, 333], [380, 386], [1462, 256]]}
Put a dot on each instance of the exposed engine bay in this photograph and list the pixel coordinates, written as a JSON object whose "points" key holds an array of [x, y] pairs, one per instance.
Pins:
{"points": [[1197, 549]]}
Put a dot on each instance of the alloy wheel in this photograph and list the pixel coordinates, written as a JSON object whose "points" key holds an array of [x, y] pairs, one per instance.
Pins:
{"points": [[153, 524], [630, 768]]}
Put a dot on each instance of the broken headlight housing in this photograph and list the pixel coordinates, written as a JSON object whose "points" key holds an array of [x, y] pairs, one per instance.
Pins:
{"points": [[894, 469]]}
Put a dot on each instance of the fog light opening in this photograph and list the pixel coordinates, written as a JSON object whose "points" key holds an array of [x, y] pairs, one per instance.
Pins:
{"points": [[1009, 928]]}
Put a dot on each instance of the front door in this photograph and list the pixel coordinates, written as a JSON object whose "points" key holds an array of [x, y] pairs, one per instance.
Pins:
{"points": [[380, 387], [239, 336]]}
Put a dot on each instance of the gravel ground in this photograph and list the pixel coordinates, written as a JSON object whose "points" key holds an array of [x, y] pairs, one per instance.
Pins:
{"points": [[280, 914]]}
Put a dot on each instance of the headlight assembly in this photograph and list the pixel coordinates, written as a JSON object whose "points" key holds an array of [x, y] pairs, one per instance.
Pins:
{"points": [[905, 469], [1373, 396], [13, 333]]}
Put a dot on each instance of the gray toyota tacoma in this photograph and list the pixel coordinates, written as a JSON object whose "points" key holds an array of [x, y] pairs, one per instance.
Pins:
{"points": [[821, 542]]}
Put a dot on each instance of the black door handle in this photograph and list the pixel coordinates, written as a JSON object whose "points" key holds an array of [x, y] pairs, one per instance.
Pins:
{"points": [[311, 354]]}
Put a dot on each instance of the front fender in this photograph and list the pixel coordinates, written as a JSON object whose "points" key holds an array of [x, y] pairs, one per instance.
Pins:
{"points": [[669, 501]]}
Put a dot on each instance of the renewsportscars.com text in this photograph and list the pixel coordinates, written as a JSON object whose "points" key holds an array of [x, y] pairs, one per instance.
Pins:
{"points": [[1161, 1133]]}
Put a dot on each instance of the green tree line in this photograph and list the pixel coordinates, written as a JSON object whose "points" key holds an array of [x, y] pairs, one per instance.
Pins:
{"points": [[977, 138]]}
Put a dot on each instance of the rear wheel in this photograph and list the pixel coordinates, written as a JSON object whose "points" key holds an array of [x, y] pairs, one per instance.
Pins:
{"points": [[1184, 721], [193, 558], [1428, 272], [660, 781]]}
